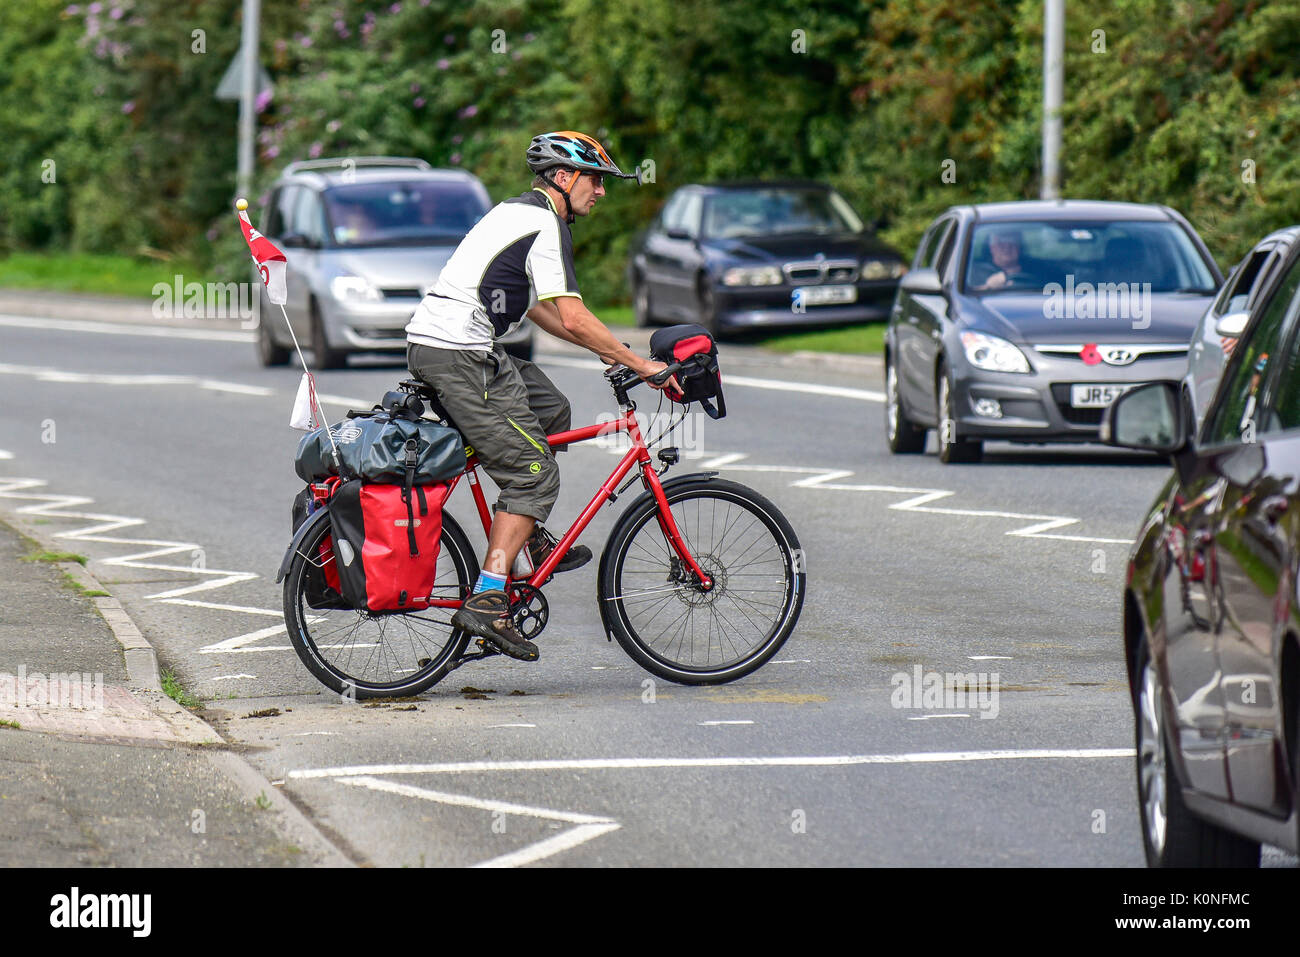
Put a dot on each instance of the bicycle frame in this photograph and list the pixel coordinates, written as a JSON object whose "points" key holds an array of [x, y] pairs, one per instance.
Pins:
{"points": [[637, 455]]}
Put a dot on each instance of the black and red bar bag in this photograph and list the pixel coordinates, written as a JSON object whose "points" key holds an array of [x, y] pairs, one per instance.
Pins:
{"points": [[700, 378], [385, 543]]}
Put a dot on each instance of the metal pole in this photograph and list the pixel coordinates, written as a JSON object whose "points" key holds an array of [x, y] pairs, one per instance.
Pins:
{"points": [[1053, 84], [248, 97]]}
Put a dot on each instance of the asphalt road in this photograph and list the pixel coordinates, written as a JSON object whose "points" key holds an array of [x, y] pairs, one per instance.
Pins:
{"points": [[1014, 566]]}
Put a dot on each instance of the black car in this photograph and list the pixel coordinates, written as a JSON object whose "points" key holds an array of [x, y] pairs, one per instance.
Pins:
{"points": [[747, 255], [1211, 607], [1022, 321]]}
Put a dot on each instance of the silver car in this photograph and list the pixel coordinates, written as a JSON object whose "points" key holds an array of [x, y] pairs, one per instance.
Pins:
{"points": [[1224, 320], [365, 238]]}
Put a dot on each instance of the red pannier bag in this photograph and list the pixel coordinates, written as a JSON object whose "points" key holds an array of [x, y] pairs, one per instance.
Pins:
{"points": [[385, 543]]}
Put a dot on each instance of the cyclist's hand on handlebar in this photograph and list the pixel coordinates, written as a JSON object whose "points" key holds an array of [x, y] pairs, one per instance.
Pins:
{"points": [[651, 368]]}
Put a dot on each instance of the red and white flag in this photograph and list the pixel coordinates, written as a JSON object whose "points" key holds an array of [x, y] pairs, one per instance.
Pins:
{"points": [[270, 261]]}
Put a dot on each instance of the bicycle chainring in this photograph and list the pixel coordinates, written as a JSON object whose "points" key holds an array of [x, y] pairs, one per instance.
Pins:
{"points": [[529, 609]]}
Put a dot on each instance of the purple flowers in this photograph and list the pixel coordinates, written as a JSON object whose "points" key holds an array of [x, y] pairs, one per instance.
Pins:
{"points": [[457, 139], [272, 152], [455, 159], [128, 106], [305, 41], [116, 13], [94, 8], [263, 100], [72, 10], [315, 149], [332, 126], [443, 64], [418, 102], [468, 111], [395, 8]]}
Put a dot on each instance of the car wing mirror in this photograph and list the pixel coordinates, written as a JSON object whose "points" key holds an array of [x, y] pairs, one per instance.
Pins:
{"points": [[1232, 325], [922, 281], [1150, 418], [679, 234]]}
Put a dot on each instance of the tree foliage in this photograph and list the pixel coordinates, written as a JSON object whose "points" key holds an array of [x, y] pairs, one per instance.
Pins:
{"points": [[1187, 103]]}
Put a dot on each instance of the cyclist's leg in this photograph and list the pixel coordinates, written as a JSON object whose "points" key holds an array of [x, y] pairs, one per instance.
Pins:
{"points": [[488, 400], [548, 403]]}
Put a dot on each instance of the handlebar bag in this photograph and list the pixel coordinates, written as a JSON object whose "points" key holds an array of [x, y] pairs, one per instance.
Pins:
{"points": [[385, 543], [374, 445], [700, 378]]}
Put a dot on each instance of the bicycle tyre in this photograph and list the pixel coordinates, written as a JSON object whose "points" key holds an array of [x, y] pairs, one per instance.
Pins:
{"points": [[411, 669], [628, 572]]}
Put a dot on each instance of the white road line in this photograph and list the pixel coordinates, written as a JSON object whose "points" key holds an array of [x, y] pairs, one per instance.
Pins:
{"points": [[113, 329], [930, 717], [518, 725], [791, 661], [624, 764], [303, 734], [552, 845], [989, 657], [780, 385], [231, 677], [43, 374], [326, 399], [588, 826], [239, 641], [709, 724], [918, 501], [5, 455]]}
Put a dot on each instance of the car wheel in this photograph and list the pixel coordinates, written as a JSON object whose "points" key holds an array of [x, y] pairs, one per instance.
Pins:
{"points": [[708, 307], [953, 448], [1171, 834], [641, 304], [327, 357], [268, 353], [904, 438]]}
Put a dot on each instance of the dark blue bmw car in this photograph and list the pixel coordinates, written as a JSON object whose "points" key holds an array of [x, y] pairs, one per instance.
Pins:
{"points": [[747, 255]]}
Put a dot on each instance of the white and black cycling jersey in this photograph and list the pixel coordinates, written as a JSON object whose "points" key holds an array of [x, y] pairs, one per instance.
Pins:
{"points": [[520, 252]]}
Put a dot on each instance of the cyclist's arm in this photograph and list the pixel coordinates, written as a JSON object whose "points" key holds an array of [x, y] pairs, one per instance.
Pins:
{"points": [[588, 331], [548, 319]]}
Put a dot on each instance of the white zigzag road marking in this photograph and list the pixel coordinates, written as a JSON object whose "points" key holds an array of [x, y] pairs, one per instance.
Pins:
{"points": [[60, 506], [811, 477], [822, 478]]}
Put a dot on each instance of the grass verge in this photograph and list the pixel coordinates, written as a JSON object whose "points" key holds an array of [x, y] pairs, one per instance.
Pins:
{"points": [[84, 272], [55, 557], [5, 723]]}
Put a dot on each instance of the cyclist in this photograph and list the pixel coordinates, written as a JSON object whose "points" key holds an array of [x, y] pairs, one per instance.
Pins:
{"points": [[516, 261]]}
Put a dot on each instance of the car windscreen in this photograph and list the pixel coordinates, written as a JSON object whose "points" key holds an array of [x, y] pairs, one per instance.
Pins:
{"points": [[405, 213], [1021, 257], [733, 214]]}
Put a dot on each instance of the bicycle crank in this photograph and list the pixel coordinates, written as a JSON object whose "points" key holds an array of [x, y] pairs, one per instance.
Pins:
{"points": [[529, 609]]}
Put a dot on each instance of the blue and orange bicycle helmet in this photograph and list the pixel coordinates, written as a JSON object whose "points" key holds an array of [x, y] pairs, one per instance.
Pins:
{"points": [[568, 149]]}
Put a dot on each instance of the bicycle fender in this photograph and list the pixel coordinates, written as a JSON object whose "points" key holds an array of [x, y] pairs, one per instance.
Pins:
{"points": [[315, 518], [627, 512]]}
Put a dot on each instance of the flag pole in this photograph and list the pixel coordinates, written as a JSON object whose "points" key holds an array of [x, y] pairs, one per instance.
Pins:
{"points": [[241, 204]]}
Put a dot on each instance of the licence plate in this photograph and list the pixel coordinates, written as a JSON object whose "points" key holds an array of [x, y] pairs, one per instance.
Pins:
{"points": [[1097, 396], [823, 295]]}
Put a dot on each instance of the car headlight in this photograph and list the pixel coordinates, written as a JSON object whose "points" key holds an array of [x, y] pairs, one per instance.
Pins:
{"points": [[992, 353], [349, 288], [874, 269], [752, 276]]}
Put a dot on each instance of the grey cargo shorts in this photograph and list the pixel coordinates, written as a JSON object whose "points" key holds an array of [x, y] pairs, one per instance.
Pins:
{"points": [[504, 407]]}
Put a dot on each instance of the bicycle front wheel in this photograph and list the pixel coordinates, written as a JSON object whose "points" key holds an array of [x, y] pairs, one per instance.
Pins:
{"points": [[362, 655], [671, 626]]}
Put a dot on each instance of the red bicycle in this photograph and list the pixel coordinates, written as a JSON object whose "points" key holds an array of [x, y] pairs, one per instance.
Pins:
{"points": [[701, 580]]}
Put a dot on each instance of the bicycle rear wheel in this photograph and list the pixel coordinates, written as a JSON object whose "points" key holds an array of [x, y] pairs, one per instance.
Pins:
{"points": [[362, 655], [671, 626]]}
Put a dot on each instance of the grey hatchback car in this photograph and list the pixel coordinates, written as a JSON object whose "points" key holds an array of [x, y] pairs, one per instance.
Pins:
{"points": [[1023, 321], [365, 237]]}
